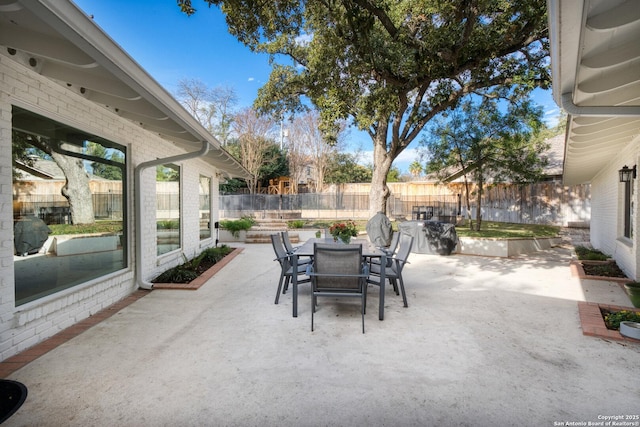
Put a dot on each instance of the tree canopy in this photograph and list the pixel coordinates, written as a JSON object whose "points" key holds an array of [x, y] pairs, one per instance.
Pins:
{"points": [[390, 66], [483, 144]]}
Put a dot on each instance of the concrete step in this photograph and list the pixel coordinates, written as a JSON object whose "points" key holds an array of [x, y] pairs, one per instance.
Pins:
{"points": [[264, 236]]}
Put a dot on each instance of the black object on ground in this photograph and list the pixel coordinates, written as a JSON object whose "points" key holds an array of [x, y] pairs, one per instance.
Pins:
{"points": [[12, 396]]}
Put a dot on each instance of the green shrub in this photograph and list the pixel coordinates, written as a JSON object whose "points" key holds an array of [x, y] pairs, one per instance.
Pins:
{"points": [[589, 254], [188, 271], [613, 318], [235, 226], [215, 254], [179, 274], [296, 223]]}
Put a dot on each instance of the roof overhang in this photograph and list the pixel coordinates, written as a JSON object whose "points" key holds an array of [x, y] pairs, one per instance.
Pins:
{"points": [[595, 62], [59, 41]]}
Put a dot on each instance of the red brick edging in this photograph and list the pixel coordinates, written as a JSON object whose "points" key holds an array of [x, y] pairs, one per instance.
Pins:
{"points": [[578, 270], [593, 324]]}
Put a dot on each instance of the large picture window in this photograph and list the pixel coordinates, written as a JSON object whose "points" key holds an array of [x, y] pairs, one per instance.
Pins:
{"points": [[69, 206], [168, 210]]}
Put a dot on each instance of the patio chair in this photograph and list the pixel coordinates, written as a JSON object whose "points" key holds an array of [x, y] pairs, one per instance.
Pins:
{"points": [[338, 271], [286, 266], [394, 272], [291, 249], [390, 251]]}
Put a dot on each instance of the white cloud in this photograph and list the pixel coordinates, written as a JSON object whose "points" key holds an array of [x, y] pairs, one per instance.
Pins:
{"points": [[250, 79]]}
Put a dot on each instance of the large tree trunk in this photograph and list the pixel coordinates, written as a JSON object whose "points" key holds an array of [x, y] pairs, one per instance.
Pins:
{"points": [[76, 189], [379, 192]]}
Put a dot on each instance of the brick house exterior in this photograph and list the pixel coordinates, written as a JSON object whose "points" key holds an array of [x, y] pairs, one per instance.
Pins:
{"points": [[59, 33]]}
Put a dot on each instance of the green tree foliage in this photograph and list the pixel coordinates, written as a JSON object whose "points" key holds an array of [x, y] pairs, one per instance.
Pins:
{"points": [[101, 169], [393, 175], [168, 172], [390, 66], [275, 164], [233, 185], [343, 168], [483, 144]]}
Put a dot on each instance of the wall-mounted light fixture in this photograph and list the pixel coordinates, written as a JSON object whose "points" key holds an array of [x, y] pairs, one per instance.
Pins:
{"points": [[627, 174]]}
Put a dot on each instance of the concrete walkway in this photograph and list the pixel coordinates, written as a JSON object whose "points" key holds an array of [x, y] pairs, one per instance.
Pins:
{"points": [[484, 342]]}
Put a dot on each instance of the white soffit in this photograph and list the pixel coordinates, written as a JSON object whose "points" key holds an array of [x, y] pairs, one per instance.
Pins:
{"points": [[595, 51], [57, 40]]}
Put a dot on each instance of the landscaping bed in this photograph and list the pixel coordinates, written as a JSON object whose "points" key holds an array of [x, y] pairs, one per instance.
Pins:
{"points": [[612, 318], [192, 269], [603, 269]]}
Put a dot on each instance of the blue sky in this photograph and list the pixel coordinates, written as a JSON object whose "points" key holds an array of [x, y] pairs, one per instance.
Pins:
{"points": [[171, 46]]}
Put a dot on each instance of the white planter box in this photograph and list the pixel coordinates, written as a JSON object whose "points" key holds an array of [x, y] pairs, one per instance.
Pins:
{"points": [[67, 245]]}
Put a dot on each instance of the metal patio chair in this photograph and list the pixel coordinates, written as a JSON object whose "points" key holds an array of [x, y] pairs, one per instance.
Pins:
{"points": [[393, 272], [286, 241], [286, 266], [390, 251], [338, 271]]}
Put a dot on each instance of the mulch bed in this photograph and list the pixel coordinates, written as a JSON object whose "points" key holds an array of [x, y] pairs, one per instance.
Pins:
{"points": [[609, 269]]}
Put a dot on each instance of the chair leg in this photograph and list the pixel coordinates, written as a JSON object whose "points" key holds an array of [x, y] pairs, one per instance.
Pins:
{"points": [[313, 308], [279, 288], [394, 282], [404, 294], [363, 299], [286, 285], [364, 292]]}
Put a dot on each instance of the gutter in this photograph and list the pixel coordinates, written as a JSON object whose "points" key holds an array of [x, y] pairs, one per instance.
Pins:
{"points": [[138, 203], [607, 111]]}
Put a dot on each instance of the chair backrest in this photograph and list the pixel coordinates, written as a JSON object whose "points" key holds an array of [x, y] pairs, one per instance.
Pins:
{"points": [[286, 241], [281, 253], [394, 242], [341, 260], [406, 242]]}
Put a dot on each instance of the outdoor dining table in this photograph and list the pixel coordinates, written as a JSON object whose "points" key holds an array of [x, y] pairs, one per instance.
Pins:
{"points": [[369, 250]]}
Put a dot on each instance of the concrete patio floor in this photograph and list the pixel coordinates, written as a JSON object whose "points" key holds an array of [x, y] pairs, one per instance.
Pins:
{"points": [[484, 342]]}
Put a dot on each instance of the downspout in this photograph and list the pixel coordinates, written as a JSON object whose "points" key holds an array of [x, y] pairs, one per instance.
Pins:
{"points": [[138, 203], [607, 111]]}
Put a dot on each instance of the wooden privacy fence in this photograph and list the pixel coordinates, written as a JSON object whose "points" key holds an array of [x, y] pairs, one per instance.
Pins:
{"points": [[542, 203]]}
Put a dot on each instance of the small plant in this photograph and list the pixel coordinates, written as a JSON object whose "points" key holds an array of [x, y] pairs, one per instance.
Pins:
{"points": [[613, 318], [296, 223], [344, 230], [589, 254], [236, 226], [215, 254], [179, 274]]}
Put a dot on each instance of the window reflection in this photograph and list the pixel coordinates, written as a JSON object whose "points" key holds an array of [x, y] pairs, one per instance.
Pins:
{"points": [[69, 206], [168, 208]]}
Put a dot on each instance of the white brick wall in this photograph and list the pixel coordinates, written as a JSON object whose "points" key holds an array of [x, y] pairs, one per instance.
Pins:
{"points": [[607, 221], [25, 326]]}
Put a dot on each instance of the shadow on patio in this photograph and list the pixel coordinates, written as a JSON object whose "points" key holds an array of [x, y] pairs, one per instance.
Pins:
{"points": [[484, 341]]}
